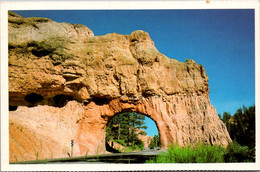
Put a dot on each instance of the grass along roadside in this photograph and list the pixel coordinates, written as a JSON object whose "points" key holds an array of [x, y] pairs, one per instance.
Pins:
{"points": [[198, 154], [204, 154]]}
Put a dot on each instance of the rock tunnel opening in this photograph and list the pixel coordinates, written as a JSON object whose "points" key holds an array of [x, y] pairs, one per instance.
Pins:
{"points": [[131, 131]]}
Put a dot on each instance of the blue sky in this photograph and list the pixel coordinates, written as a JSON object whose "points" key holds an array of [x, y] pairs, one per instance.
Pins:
{"points": [[221, 40]]}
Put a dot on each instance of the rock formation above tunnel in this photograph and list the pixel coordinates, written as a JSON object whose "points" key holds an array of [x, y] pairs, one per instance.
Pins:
{"points": [[55, 67]]}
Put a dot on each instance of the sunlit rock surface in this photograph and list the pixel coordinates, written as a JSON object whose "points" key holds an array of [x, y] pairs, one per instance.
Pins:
{"points": [[65, 83]]}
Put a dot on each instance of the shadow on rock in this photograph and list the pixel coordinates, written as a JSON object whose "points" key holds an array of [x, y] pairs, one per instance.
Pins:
{"points": [[111, 149]]}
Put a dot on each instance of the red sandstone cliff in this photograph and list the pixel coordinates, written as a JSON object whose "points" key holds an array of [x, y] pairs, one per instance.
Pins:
{"points": [[67, 84]]}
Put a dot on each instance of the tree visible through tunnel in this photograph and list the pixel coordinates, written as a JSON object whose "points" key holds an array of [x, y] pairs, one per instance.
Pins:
{"points": [[127, 132]]}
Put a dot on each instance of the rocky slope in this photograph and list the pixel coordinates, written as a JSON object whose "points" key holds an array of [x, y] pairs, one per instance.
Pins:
{"points": [[141, 135], [65, 83], [146, 139]]}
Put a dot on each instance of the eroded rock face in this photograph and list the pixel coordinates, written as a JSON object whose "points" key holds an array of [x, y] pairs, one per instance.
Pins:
{"points": [[144, 137], [75, 82]]}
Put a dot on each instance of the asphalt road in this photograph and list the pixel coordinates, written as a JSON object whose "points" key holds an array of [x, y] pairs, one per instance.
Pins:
{"points": [[118, 158]]}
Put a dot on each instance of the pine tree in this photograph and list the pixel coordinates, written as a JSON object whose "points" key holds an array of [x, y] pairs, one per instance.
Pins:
{"points": [[136, 121], [242, 126], [122, 128], [155, 142]]}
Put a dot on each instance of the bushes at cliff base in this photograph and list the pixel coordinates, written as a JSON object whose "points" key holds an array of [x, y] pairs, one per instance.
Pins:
{"points": [[205, 154]]}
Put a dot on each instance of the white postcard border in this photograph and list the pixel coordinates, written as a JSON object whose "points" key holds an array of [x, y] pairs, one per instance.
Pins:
{"points": [[101, 5]]}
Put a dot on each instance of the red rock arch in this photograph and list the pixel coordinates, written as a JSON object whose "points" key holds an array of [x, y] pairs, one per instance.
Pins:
{"points": [[105, 75], [172, 123], [91, 133]]}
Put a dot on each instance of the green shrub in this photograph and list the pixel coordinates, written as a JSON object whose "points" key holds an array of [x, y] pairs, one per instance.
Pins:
{"points": [[238, 153], [139, 144], [121, 142], [136, 148], [198, 154], [128, 149], [132, 148], [206, 154]]}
